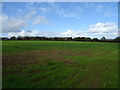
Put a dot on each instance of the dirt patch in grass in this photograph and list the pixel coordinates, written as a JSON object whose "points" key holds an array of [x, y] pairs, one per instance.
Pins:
{"points": [[26, 58], [69, 61], [22, 58]]}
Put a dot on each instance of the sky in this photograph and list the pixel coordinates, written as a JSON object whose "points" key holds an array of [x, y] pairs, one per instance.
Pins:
{"points": [[60, 19]]}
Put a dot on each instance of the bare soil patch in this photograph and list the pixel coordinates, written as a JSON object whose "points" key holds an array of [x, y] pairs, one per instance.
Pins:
{"points": [[26, 58]]}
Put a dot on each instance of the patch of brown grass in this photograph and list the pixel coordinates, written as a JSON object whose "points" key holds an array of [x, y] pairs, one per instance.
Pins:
{"points": [[26, 58]]}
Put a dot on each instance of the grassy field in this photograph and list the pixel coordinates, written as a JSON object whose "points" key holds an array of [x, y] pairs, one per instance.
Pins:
{"points": [[59, 64]]}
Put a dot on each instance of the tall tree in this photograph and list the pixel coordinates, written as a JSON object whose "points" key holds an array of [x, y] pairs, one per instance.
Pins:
{"points": [[103, 39], [13, 38], [117, 40]]}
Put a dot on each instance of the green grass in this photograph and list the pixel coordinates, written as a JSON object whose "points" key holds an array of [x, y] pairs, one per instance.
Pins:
{"points": [[60, 64]]}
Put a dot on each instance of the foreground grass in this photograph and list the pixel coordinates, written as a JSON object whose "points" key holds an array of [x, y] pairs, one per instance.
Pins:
{"points": [[59, 64]]}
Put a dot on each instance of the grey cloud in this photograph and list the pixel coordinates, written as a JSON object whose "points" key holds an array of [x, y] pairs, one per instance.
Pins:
{"points": [[12, 24]]}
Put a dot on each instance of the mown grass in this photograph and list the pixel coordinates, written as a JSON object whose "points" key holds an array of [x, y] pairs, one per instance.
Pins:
{"points": [[60, 64]]}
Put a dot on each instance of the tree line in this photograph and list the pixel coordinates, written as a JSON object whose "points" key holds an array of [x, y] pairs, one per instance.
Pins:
{"points": [[103, 39]]}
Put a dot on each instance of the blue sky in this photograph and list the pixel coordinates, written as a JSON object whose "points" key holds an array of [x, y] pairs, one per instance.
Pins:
{"points": [[63, 19]]}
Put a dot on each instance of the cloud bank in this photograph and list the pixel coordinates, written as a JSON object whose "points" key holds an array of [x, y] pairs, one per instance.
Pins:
{"points": [[108, 30], [103, 28], [15, 27], [12, 24]]}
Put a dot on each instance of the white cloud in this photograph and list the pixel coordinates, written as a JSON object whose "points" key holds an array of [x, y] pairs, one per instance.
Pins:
{"points": [[71, 33], [40, 20], [115, 33], [44, 10], [23, 33], [103, 28], [50, 34], [70, 11], [109, 30], [68, 33], [30, 14], [33, 33], [82, 34], [12, 24]]}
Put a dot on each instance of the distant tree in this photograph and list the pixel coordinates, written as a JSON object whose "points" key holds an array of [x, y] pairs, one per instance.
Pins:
{"points": [[95, 39], [109, 40], [4, 38], [103, 39], [88, 39], [85, 39], [26, 38], [69, 38], [19, 38], [43, 38], [60, 38], [13, 38], [56, 38], [117, 40], [64, 38], [82, 39], [77, 38]]}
